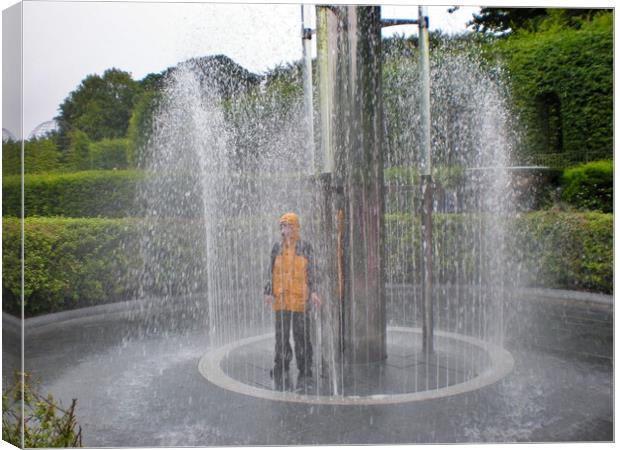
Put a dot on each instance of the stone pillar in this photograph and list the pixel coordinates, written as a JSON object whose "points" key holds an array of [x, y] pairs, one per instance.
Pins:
{"points": [[349, 58]]}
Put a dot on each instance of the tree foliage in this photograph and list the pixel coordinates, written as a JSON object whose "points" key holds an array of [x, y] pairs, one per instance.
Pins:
{"points": [[11, 158], [140, 127], [40, 156], [109, 154], [503, 20], [77, 156], [100, 107], [562, 85]]}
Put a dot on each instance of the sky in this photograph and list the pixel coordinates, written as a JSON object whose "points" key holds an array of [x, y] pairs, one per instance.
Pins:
{"points": [[64, 41]]}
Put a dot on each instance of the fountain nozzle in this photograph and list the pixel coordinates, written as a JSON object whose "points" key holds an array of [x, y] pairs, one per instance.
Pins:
{"points": [[306, 33]]}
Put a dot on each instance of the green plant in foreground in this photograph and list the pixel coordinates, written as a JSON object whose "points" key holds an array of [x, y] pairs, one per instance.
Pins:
{"points": [[43, 422]]}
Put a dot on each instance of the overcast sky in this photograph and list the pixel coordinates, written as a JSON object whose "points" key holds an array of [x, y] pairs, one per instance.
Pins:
{"points": [[66, 41]]}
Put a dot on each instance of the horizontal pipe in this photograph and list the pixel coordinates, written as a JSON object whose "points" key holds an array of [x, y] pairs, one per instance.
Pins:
{"points": [[395, 22]]}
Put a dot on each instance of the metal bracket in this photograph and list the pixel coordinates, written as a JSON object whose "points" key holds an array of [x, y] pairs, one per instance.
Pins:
{"points": [[306, 33]]}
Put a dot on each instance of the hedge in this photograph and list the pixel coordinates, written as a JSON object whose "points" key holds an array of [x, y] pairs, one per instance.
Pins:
{"points": [[590, 186], [454, 241], [563, 79], [561, 250], [565, 250], [40, 155], [68, 263], [109, 154], [80, 194], [72, 263]]}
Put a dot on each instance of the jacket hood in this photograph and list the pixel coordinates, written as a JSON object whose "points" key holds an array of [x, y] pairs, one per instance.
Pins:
{"points": [[293, 220]]}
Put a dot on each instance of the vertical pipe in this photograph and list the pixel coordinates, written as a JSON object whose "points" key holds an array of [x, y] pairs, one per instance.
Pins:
{"points": [[361, 165], [325, 88], [425, 94], [349, 57], [306, 39], [425, 150], [331, 314]]}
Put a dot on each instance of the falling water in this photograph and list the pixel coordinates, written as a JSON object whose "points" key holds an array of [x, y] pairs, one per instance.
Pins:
{"points": [[223, 167], [220, 173], [471, 147]]}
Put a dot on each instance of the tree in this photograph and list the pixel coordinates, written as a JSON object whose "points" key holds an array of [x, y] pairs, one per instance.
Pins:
{"points": [[41, 155], [100, 106], [109, 154], [140, 127], [505, 20], [154, 82], [11, 158], [221, 74], [77, 156]]}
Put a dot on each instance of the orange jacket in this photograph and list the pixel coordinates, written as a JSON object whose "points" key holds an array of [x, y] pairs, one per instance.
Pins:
{"points": [[291, 272]]}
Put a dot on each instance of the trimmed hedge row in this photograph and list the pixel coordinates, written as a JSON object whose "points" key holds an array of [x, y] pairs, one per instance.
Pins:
{"points": [[562, 81], [565, 250], [44, 156], [77, 262], [552, 249], [590, 186], [69, 263], [113, 193], [79, 194], [72, 263]]}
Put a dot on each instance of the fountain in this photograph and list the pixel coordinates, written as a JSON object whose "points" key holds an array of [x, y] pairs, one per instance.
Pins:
{"points": [[209, 194], [223, 163]]}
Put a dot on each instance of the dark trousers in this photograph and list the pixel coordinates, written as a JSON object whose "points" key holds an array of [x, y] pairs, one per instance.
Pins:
{"points": [[301, 338]]}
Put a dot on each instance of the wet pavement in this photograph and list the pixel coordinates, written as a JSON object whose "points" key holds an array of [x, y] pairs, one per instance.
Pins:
{"points": [[458, 364], [137, 388]]}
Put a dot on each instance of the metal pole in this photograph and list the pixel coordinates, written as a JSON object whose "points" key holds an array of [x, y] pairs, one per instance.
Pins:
{"points": [[325, 87], [331, 313], [425, 101], [306, 38], [427, 181]]}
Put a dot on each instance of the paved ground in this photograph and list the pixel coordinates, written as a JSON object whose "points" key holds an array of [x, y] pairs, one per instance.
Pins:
{"points": [[143, 388]]}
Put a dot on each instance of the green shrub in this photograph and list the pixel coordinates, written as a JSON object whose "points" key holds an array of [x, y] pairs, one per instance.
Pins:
{"points": [[43, 422], [11, 158], [40, 156], [590, 186], [565, 250], [141, 127], [68, 263], [550, 249], [79, 194], [562, 84], [456, 248], [77, 262], [77, 155], [71, 263], [109, 154]]}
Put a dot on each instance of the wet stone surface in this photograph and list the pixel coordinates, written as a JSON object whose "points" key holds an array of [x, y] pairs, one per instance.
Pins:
{"points": [[406, 369], [138, 387]]}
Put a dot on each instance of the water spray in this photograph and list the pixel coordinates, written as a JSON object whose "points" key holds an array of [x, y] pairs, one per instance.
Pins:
{"points": [[427, 179]]}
